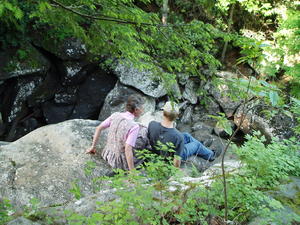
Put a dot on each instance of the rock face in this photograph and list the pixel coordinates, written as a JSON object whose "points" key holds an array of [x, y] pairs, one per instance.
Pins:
{"points": [[45, 162], [140, 80], [190, 92], [68, 49], [115, 101]]}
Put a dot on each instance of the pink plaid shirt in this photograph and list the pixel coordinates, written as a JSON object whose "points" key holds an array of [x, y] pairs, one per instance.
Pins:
{"points": [[132, 133]]}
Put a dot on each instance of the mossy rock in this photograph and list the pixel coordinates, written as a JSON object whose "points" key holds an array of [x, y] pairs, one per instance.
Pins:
{"points": [[65, 49], [22, 61], [289, 194]]}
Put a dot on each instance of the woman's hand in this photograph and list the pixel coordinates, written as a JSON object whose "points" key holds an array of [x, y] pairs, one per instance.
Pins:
{"points": [[91, 150]]}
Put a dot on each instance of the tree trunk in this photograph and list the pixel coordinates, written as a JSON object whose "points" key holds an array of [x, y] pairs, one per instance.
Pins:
{"points": [[228, 30], [165, 11]]}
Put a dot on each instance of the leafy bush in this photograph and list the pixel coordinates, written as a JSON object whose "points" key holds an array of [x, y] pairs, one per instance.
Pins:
{"points": [[5, 207], [143, 197]]}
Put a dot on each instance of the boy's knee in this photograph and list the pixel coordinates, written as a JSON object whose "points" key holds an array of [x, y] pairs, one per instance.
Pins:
{"points": [[186, 134]]}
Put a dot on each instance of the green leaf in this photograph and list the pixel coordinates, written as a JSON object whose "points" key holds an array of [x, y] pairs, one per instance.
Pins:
{"points": [[274, 97]]}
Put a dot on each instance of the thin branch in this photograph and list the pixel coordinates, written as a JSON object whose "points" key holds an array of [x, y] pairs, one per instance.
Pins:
{"points": [[228, 31], [225, 150], [112, 19]]}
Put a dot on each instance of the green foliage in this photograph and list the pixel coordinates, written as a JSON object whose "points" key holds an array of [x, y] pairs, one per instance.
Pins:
{"points": [[75, 189], [223, 123], [251, 49], [282, 158], [33, 212], [295, 109], [90, 166], [143, 197], [288, 36], [5, 208]]}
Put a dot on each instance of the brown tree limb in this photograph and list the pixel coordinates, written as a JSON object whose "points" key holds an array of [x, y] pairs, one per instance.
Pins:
{"points": [[224, 153], [111, 19], [228, 30]]}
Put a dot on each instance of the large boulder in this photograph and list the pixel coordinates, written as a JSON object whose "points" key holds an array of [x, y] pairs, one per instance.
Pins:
{"points": [[44, 163], [88, 205], [142, 80], [116, 100]]}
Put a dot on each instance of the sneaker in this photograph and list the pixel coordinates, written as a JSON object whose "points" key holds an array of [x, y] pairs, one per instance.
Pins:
{"points": [[213, 157]]}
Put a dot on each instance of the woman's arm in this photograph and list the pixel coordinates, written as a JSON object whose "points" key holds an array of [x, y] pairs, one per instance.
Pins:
{"points": [[92, 149], [129, 156]]}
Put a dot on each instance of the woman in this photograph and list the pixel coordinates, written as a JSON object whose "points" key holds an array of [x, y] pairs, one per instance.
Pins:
{"points": [[122, 135]]}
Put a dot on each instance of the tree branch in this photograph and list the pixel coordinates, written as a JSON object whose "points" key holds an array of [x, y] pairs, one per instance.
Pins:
{"points": [[111, 19], [225, 150]]}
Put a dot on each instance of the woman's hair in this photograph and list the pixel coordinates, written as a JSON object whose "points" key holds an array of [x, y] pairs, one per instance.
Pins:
{"points": [[171, 115], [133, 103]]}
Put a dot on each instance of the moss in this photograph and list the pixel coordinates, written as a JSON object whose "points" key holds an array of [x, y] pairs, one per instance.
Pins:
{"points": [[294, 203]]}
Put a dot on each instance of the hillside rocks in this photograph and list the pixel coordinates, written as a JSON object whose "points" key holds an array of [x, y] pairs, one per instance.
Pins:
{"points": [[66, 83], [66, 86], [61, 82], [45, 163]]}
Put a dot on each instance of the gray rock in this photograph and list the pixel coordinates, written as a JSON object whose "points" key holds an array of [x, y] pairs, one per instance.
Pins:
{"points": [[69, 70], [54, 113], [184, 127], [22, 221], [218, 144], [91, 95], [220, 95], [226, 74], [142, 80], [88, 205], [24, 89], [202, 112], [116, 100], [44, 163], [211, 170], [202, 127], [147, 117], [72, 49], [66, 96], [190, 92], [75, 72], [68, 49], [187, 115], [4, 143]]}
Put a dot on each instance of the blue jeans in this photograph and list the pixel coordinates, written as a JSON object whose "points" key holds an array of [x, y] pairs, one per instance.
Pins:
{"points": [[195, 147]]}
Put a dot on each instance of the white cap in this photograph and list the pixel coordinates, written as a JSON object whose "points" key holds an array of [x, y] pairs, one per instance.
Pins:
{"points": [[171, 107]]}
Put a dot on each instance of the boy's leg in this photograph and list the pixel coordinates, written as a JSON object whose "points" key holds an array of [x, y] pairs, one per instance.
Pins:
{"points": [[194, 147]]}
